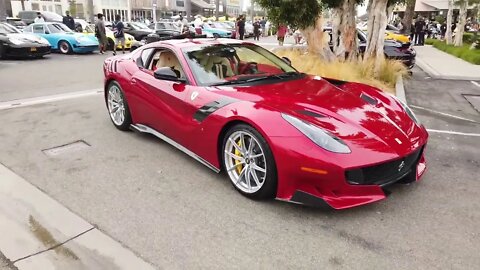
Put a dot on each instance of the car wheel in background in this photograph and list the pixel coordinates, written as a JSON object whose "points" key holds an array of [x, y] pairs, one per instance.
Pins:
{"points": [[64, 47], [215, 35], [2, 51], [111, 44], [118, 107], [249, 163]]}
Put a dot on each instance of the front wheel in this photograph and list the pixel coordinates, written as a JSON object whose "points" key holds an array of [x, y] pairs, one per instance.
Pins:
{"points": [[64, 47], [118, 107], [215, 35], [249, 162]]}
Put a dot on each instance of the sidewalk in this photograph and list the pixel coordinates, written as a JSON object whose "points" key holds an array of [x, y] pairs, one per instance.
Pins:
{"points": [[37, 232], [441, 65]]}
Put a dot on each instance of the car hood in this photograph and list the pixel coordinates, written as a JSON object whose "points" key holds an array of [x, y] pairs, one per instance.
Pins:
{"points": [[356, 113], [25, 37]]}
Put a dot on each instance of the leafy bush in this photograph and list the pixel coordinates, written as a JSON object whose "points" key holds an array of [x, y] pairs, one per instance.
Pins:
{"points": [[430, 41], [356, 70], [469, 38], [463, 52]]}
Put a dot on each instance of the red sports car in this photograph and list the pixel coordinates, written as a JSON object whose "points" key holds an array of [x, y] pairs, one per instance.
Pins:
{"points": [[275, 132]]}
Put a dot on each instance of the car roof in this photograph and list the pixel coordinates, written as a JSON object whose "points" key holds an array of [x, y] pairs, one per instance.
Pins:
{"points": [[197, 42]]}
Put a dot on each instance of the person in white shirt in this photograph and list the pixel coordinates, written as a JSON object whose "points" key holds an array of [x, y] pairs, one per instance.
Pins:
{"points": [[39, 18]]}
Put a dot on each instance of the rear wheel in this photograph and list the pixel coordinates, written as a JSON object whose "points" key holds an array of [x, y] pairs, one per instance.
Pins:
{"points": [[215, 35], [249, 162], [118, 107], [111, 44], [64, 47]]}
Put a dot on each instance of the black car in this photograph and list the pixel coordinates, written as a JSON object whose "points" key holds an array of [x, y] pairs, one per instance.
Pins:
{"points": [[392, 49], [14, 43], [138, 30]]}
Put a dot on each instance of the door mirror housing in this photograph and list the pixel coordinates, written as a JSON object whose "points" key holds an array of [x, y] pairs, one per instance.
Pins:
{"points": [[287, 60], [167, 74]]}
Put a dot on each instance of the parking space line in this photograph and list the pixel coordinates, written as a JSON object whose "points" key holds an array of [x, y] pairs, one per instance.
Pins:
{"points": [[46, 99], [453, 132], [445, 114], [475, 83]]}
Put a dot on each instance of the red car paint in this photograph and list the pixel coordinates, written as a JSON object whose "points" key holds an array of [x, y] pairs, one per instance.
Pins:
{"points": [[375, 133]]}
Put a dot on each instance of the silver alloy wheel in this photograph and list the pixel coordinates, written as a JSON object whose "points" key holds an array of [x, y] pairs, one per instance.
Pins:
{"points": [[116, 106], [245, 161], [64, 47]]}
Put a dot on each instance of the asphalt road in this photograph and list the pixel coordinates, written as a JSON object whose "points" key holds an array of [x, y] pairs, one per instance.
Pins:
{"points": [[177, 214]]}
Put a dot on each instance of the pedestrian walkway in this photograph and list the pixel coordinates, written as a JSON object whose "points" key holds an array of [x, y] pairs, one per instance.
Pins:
{"points": [[442, 65]]}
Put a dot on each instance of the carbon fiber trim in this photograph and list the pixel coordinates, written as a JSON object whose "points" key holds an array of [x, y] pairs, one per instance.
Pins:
{"points": [[212, 107]]}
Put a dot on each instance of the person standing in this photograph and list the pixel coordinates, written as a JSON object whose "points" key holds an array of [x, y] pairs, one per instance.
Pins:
{"points": [[241, 27], [68, 21], [256, 30], [263, 24], [100, 33], [118, 32], [39, 18], [281, 33], [420, 31], [182, 22]]}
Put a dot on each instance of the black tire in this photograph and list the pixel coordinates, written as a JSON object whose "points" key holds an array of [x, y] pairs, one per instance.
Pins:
{"points": [[111, 44], [125, 126], [2, 52], [215, 35], [64, 47], [269, 188]]}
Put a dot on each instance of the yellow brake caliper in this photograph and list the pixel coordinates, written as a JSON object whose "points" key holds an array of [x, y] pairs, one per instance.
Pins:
{"points": [[238, 154]]}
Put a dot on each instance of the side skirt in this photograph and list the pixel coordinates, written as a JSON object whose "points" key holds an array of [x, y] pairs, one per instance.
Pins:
{"points": [[146, 129]]}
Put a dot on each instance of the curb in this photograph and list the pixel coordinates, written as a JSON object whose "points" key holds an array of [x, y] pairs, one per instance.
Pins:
{"points": [[400, 89], [40, 233]]}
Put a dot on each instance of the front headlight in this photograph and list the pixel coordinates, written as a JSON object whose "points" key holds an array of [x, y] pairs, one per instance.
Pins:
{"points": [[319, 136], [43, 41], [408, 110], [16, 41]]}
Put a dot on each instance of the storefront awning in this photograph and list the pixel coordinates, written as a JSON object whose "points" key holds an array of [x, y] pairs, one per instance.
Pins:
{"points": [[202, 4]]}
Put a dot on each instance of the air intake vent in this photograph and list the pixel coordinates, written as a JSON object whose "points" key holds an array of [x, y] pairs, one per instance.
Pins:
{"points": [[368, 99], [310, 113]]}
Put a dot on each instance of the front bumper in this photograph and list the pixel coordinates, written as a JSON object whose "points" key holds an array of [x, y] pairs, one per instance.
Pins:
{"points": [[78, 48], [312, 181], [30, 51]]}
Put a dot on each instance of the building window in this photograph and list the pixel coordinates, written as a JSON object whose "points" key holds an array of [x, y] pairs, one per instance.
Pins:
{"points": [[35, 6], [180, 3]]}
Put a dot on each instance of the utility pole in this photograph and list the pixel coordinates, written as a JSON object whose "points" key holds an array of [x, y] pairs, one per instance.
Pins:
{"points": [[91, 16], [188, 7], [3, 10], [217, 9], [129, 11], [154, 11]]}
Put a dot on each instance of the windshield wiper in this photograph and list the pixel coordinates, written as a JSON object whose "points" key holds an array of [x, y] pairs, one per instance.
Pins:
{"points": [[261, 78]]}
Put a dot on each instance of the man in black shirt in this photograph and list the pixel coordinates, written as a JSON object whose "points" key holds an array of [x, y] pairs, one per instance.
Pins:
{"points": [[241, 26], [420, 28], [68, 21]]}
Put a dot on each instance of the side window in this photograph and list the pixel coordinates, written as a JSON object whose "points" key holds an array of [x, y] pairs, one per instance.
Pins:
{"points": [[166, 58], [38, 29], [161, 26], [28, 29]]}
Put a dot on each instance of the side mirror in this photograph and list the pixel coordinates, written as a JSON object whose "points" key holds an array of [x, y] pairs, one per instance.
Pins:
{"points": [[286, 60], [167, 74]]}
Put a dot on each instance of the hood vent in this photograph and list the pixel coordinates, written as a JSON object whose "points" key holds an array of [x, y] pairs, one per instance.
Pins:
{"points": [[310, 113], [368, 99]]}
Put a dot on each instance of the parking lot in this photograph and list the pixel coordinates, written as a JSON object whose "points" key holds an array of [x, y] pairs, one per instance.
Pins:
{"points": [[177, 214]]}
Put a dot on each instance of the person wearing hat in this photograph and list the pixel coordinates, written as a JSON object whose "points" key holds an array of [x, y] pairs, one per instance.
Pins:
{"points": [[100, 33]]}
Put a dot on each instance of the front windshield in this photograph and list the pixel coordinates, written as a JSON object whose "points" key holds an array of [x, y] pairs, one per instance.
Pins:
{"points": [[7, 29], [163, 25], [58, 28], [236, 63]]}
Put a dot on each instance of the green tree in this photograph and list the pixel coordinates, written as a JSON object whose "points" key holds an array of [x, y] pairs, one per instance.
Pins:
{"points": [[462, 19]]}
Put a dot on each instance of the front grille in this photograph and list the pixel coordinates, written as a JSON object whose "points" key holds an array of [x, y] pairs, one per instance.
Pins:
{"points": [[385, 173]]}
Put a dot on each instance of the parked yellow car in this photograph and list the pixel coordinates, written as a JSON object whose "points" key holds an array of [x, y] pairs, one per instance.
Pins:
{"points": [[391, 33], [90, 30]]}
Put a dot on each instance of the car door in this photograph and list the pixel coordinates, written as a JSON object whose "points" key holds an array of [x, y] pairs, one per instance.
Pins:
{"points": [[163, 100], [40, 30]]}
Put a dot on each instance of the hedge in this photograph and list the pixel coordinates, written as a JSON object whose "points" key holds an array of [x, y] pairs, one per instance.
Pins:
{"points": [[463, 52]]}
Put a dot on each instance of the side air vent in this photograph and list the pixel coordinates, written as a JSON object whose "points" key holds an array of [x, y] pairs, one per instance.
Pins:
{"points": [[368, 99], [310, 113]]}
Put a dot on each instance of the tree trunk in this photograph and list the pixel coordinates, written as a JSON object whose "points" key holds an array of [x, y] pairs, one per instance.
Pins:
{"points": [[253, 10], [408, 16], [317, 41], [377, 22], [462, 19], [344, 30], [224, 4], [448, 34], [217, 9]]}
